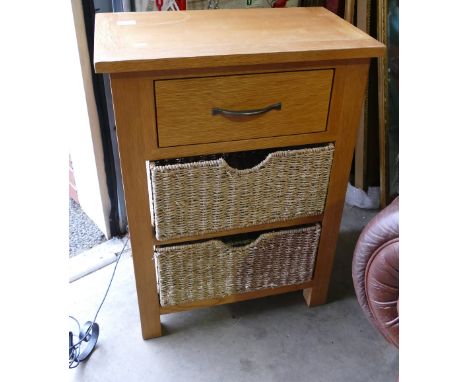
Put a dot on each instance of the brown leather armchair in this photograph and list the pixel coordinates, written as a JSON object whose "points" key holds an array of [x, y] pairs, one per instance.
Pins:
{"points": [[375, 271]]}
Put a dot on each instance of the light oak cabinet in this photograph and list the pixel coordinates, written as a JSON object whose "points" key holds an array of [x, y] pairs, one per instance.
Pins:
{"points": [[192, 90]]}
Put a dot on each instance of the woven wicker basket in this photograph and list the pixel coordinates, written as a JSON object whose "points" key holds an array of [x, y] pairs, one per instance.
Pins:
{"points": [[213, 269], [190, 199]]}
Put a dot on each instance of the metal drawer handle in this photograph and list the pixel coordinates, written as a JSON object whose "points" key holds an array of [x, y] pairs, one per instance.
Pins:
{"points": [[246, 113]]}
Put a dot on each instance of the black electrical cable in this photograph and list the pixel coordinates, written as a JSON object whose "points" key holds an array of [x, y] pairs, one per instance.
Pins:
{"points": [[76, 355]]}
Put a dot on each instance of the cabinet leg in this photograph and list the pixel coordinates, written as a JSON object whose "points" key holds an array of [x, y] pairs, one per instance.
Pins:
{"points": [[148, 302], [151, 327], [312, 297]]}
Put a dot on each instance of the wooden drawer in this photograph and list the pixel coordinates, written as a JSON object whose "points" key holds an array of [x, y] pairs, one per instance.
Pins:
{"points": [[184, 107]]}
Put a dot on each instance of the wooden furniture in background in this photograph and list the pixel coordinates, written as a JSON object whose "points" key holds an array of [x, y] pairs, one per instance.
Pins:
{"points": [[387, 32], [383, 16], [154, 57], [349, 11], [382, 11]]}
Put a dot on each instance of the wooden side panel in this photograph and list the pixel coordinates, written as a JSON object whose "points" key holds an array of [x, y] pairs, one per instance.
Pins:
{"points": [[347, 98], [134, 108]]}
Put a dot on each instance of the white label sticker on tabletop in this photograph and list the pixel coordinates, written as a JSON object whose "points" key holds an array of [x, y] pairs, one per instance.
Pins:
{"points": [[126, 22]]}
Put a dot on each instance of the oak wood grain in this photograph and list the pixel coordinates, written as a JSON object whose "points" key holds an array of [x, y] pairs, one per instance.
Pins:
{"points": [[143, 41], [132, 113], [235, 298], [241, 145], [237, 231], [184, 107], [140, 49], [268, 67], [154, 152], [345, 111]]}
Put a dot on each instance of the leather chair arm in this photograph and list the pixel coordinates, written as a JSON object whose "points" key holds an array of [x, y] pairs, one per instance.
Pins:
{"points": [[375, 271]]}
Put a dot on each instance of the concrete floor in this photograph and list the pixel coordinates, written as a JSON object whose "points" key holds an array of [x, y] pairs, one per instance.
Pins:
{"points": [[271, 339]]}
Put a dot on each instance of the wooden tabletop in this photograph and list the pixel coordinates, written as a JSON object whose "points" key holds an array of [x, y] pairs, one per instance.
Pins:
{"points": [[143, 41]]}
